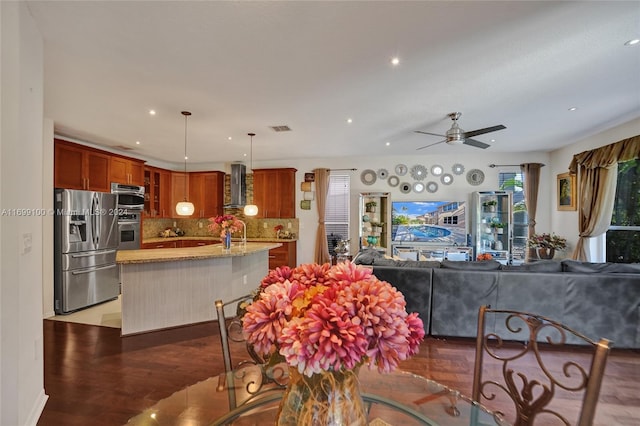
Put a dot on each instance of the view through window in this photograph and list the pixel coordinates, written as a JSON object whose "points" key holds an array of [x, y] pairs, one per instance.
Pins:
{"points": [[623, 236], [512, 181], [336, 219]]}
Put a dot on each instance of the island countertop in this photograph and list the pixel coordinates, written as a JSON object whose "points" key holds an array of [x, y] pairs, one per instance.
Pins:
{"points": [[208, 238], [190, 253]]}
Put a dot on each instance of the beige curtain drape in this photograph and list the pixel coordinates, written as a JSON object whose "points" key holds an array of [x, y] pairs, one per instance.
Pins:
{"points": [[321, 254], [531, 173], [597, 172]]}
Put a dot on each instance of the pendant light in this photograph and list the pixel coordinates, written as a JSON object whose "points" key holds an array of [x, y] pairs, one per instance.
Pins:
{"points": [[251, 209], [185, 208]]}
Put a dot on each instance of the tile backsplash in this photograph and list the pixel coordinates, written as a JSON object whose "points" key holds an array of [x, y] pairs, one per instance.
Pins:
{"points": [[256, 228]]}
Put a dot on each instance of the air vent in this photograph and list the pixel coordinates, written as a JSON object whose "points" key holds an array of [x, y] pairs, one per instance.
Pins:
{"points": [[123, 148], [281, 128]]}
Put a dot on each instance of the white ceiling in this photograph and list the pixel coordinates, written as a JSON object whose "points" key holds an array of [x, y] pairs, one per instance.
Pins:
{"points": [[242, 67]]}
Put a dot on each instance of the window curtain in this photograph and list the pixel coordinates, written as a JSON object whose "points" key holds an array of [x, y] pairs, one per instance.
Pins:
{"points": [[597, 172], [531, 174], [321, 254]]}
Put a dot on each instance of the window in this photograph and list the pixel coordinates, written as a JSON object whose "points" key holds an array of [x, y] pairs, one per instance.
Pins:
{"points": [[623, 236], [513, 181], [336, 220]]}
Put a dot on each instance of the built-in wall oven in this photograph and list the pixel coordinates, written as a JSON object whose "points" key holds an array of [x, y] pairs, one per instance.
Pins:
{"points": [[130, 205]]}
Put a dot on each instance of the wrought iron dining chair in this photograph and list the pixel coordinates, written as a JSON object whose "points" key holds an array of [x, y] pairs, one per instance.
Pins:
{"points": [[551, 381], [249, 378]]}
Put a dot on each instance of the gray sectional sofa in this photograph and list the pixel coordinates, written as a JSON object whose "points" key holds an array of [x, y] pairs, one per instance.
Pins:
{"points": [[595, 299]]}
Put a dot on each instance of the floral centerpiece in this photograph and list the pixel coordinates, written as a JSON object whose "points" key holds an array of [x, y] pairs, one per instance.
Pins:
{"points": [[547, 244], [224, 226], [548, 241], [326, 322]]}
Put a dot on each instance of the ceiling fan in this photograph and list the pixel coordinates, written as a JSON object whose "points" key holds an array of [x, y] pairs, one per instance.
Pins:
{"points": [[456, 136]]}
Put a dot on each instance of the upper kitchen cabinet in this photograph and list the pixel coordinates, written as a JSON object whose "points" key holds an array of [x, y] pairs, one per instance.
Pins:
{"points": [[179, 190], [206, 192], [127, 170], [157, 193], [274, 192], [79, 167]]}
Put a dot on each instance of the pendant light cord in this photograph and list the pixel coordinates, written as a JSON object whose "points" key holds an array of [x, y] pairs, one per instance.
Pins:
{"points": [[186, 114]]}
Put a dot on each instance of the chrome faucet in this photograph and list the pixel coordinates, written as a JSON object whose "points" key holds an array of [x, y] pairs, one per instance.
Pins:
{"points": [[244, 235]]}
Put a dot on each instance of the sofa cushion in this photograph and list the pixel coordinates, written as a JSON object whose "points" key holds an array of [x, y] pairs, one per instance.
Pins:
{"points": [[484, 265], [589, 267], [367, 257], [539, 266]]}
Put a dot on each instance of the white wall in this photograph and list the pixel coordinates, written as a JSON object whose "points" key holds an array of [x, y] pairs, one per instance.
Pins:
{"points": [[565, 223], [22, 395]]}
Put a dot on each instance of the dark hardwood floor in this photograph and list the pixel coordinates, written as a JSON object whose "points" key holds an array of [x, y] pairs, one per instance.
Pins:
{"points": [[95, 377]]}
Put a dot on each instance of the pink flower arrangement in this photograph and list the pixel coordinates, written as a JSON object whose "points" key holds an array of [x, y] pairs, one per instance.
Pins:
{"points": [[220, 225], [321, 318]]}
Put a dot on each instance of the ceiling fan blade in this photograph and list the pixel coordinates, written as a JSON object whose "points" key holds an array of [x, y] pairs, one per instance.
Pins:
{"points": [[427, 146], [427, 133], [476, 143], [473, 133]]}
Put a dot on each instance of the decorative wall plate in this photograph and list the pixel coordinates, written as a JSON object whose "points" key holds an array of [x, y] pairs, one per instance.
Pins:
{"points": [[401, 170], [405, 187], [418, 172], [368, 177], [436, 170], [475, 177], [432, 187], [393, 181], [457, 169], [446, 179], [383, 174], [418, 187]]}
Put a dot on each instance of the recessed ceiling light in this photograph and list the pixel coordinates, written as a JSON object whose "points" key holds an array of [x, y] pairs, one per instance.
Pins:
{"points": [[186, 158], [573, 108], [244, 155], [137, 142], [349, 120], [492, 140], [632, 42], [229, 138], [152, 112], [388, 144], [395, 61]]}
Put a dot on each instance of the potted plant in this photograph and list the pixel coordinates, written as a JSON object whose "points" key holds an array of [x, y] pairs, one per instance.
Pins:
{"points": [[498, 227], [546, 244], [371, 206], [490, 205]]}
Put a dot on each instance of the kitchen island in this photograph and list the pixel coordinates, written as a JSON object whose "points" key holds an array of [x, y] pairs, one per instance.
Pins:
{"points": [[163, 288]]}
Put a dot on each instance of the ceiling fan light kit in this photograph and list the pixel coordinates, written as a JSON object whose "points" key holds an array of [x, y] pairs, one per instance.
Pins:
{"points": [[457, 136]]}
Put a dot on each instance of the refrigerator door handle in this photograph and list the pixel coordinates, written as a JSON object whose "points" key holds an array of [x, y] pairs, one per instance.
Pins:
{"points": [[95, 210], [88, 271], [91, 254]]}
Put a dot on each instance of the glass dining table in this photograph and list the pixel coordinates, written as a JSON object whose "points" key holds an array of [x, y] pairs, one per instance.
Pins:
{"points": [[250, 396]]}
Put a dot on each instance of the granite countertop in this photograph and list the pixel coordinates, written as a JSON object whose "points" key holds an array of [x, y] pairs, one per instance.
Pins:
{"points": [[190, 253], [185, 238]]}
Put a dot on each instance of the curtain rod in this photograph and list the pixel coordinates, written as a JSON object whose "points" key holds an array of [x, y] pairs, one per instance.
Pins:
{"points": [[340, 170], [506, 165]]}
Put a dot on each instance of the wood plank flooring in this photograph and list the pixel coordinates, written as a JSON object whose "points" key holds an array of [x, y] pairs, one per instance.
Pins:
{"points": [[95, 377]]}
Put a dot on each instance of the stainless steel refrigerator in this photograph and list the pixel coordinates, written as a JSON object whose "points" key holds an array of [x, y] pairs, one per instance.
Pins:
{"points": [[85, 246]]}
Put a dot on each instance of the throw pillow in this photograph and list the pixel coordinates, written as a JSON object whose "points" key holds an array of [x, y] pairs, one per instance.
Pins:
{"points": [[539, 266]]}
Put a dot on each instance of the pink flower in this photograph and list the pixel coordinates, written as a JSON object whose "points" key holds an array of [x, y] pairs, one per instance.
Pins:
{"points": [[330, 318], [220, 225]]}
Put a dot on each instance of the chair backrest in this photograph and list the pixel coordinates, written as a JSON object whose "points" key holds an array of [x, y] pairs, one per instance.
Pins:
{"points": [[231, 330], [529, 376]]}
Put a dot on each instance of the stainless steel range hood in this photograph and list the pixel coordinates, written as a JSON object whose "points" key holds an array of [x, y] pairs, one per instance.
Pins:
{"points": [[238, 185]]}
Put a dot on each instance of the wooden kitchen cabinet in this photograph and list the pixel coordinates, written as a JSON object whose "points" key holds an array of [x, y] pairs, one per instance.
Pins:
{"points": [[79, 167], [197, 243], [179, 188], [283, 255], [206, 192], [127, 170], [157, 193], [274, 192], [162, 244]]}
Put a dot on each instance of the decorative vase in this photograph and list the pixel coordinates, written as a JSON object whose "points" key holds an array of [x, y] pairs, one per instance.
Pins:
{"points": [[546, 253], [227, 241], [327, 398]]}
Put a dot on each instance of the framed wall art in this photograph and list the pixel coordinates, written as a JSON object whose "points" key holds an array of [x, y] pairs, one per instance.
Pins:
{"points": [[566, 194]]}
